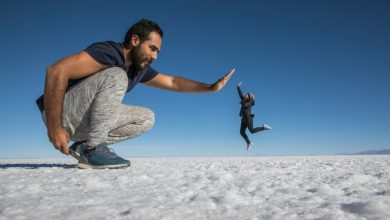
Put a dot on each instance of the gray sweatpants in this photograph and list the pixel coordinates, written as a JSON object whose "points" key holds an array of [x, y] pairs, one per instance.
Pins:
{"points": [[93, 110]]}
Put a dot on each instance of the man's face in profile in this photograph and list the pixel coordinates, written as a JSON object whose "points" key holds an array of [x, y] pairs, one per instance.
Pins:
{"points": [[146, 52]]}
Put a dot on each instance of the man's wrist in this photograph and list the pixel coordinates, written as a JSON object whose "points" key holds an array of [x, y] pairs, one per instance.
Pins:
{"points": [[53, 127]]}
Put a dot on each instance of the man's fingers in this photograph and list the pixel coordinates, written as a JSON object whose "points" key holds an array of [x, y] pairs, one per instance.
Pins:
{"points": [[65, 150], [57, 145], [222, 81], [231, 72], [62, 146], [227, 76], [59, 138]]}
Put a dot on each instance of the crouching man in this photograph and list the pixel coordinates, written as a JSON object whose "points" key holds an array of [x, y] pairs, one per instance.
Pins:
{"points": [[82, 101]]}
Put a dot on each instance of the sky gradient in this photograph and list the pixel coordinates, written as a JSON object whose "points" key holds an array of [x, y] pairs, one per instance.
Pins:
{"points": [[320, 71]]}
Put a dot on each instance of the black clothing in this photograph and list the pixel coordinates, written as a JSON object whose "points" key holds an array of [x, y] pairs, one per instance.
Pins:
{"points": [[247, 116], [246, 105], [247, 122]]}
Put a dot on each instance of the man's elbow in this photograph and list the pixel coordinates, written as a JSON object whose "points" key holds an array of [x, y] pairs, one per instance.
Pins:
{"points": [[53, 72], [53, 69], [50, 71]]}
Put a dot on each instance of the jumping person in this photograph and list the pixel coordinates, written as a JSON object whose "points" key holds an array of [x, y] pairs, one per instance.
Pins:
{"points": [[246, 115], [82, 101]]}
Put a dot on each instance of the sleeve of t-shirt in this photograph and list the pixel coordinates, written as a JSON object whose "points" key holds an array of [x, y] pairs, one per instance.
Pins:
{"points": [[150, 74], [102, 53]]}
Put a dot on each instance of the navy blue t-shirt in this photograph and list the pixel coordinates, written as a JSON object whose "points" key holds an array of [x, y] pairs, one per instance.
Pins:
{"points": [[111, 54]]}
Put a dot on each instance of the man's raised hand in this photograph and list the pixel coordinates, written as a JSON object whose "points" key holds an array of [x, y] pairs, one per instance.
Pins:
{"points": [[222, 81]]}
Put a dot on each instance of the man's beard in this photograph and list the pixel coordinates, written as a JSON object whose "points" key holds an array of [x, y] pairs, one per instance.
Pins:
{"points": [[137, 58]]}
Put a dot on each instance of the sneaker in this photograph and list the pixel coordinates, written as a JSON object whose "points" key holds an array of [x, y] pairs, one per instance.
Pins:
{"points": [[267, 127], [101, 157], [249, 147], [76, 149]]}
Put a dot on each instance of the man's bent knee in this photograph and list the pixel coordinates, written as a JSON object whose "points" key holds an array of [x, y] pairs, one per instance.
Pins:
{"points": [[143, 123], [149, 119]]}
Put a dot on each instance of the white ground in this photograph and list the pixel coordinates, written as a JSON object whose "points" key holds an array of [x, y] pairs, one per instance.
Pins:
{"points": [[337, 187]]}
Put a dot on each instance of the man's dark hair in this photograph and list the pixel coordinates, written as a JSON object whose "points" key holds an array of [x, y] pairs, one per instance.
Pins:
{"points": [[142, 29]]}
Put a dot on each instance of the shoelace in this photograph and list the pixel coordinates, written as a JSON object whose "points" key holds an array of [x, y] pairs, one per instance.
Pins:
{"points": [[107, 152]]}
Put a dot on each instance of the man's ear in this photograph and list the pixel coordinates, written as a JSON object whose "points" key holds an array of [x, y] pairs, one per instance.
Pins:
{"points": [[134, 40]]}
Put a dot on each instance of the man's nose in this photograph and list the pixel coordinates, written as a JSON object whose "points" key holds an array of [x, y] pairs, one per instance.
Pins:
{"points": [[154, 56]]}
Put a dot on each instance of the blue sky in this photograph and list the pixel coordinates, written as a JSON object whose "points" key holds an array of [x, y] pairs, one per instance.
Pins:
{"points": [[320, 71]]}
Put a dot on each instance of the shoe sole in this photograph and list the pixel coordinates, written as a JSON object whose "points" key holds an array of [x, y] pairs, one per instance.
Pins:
{"points": [[91, 166]]}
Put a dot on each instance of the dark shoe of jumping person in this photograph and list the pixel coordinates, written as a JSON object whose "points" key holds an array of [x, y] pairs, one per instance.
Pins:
{"points": [[101, 157], [76, 149]]}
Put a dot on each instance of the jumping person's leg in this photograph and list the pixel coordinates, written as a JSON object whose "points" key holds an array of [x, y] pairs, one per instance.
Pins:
{"points": [[250, 125], [242, 130]]}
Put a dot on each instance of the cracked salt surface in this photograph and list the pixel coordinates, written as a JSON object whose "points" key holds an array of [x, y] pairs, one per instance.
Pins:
{"points": [[320, 187]]}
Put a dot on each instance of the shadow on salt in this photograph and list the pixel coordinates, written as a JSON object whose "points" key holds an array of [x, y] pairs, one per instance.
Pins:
{"points": [[37, 165]]}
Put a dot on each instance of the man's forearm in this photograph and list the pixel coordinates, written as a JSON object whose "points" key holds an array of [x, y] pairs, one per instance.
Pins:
{"points": [[55, 87], [185, 85]]}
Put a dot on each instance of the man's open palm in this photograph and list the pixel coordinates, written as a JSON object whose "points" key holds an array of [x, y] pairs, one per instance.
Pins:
{"points": [[222, 81]]}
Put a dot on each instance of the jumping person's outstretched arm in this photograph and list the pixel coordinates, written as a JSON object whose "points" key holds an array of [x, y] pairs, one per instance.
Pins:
{"points": [[239, 91], [180, 84]]}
